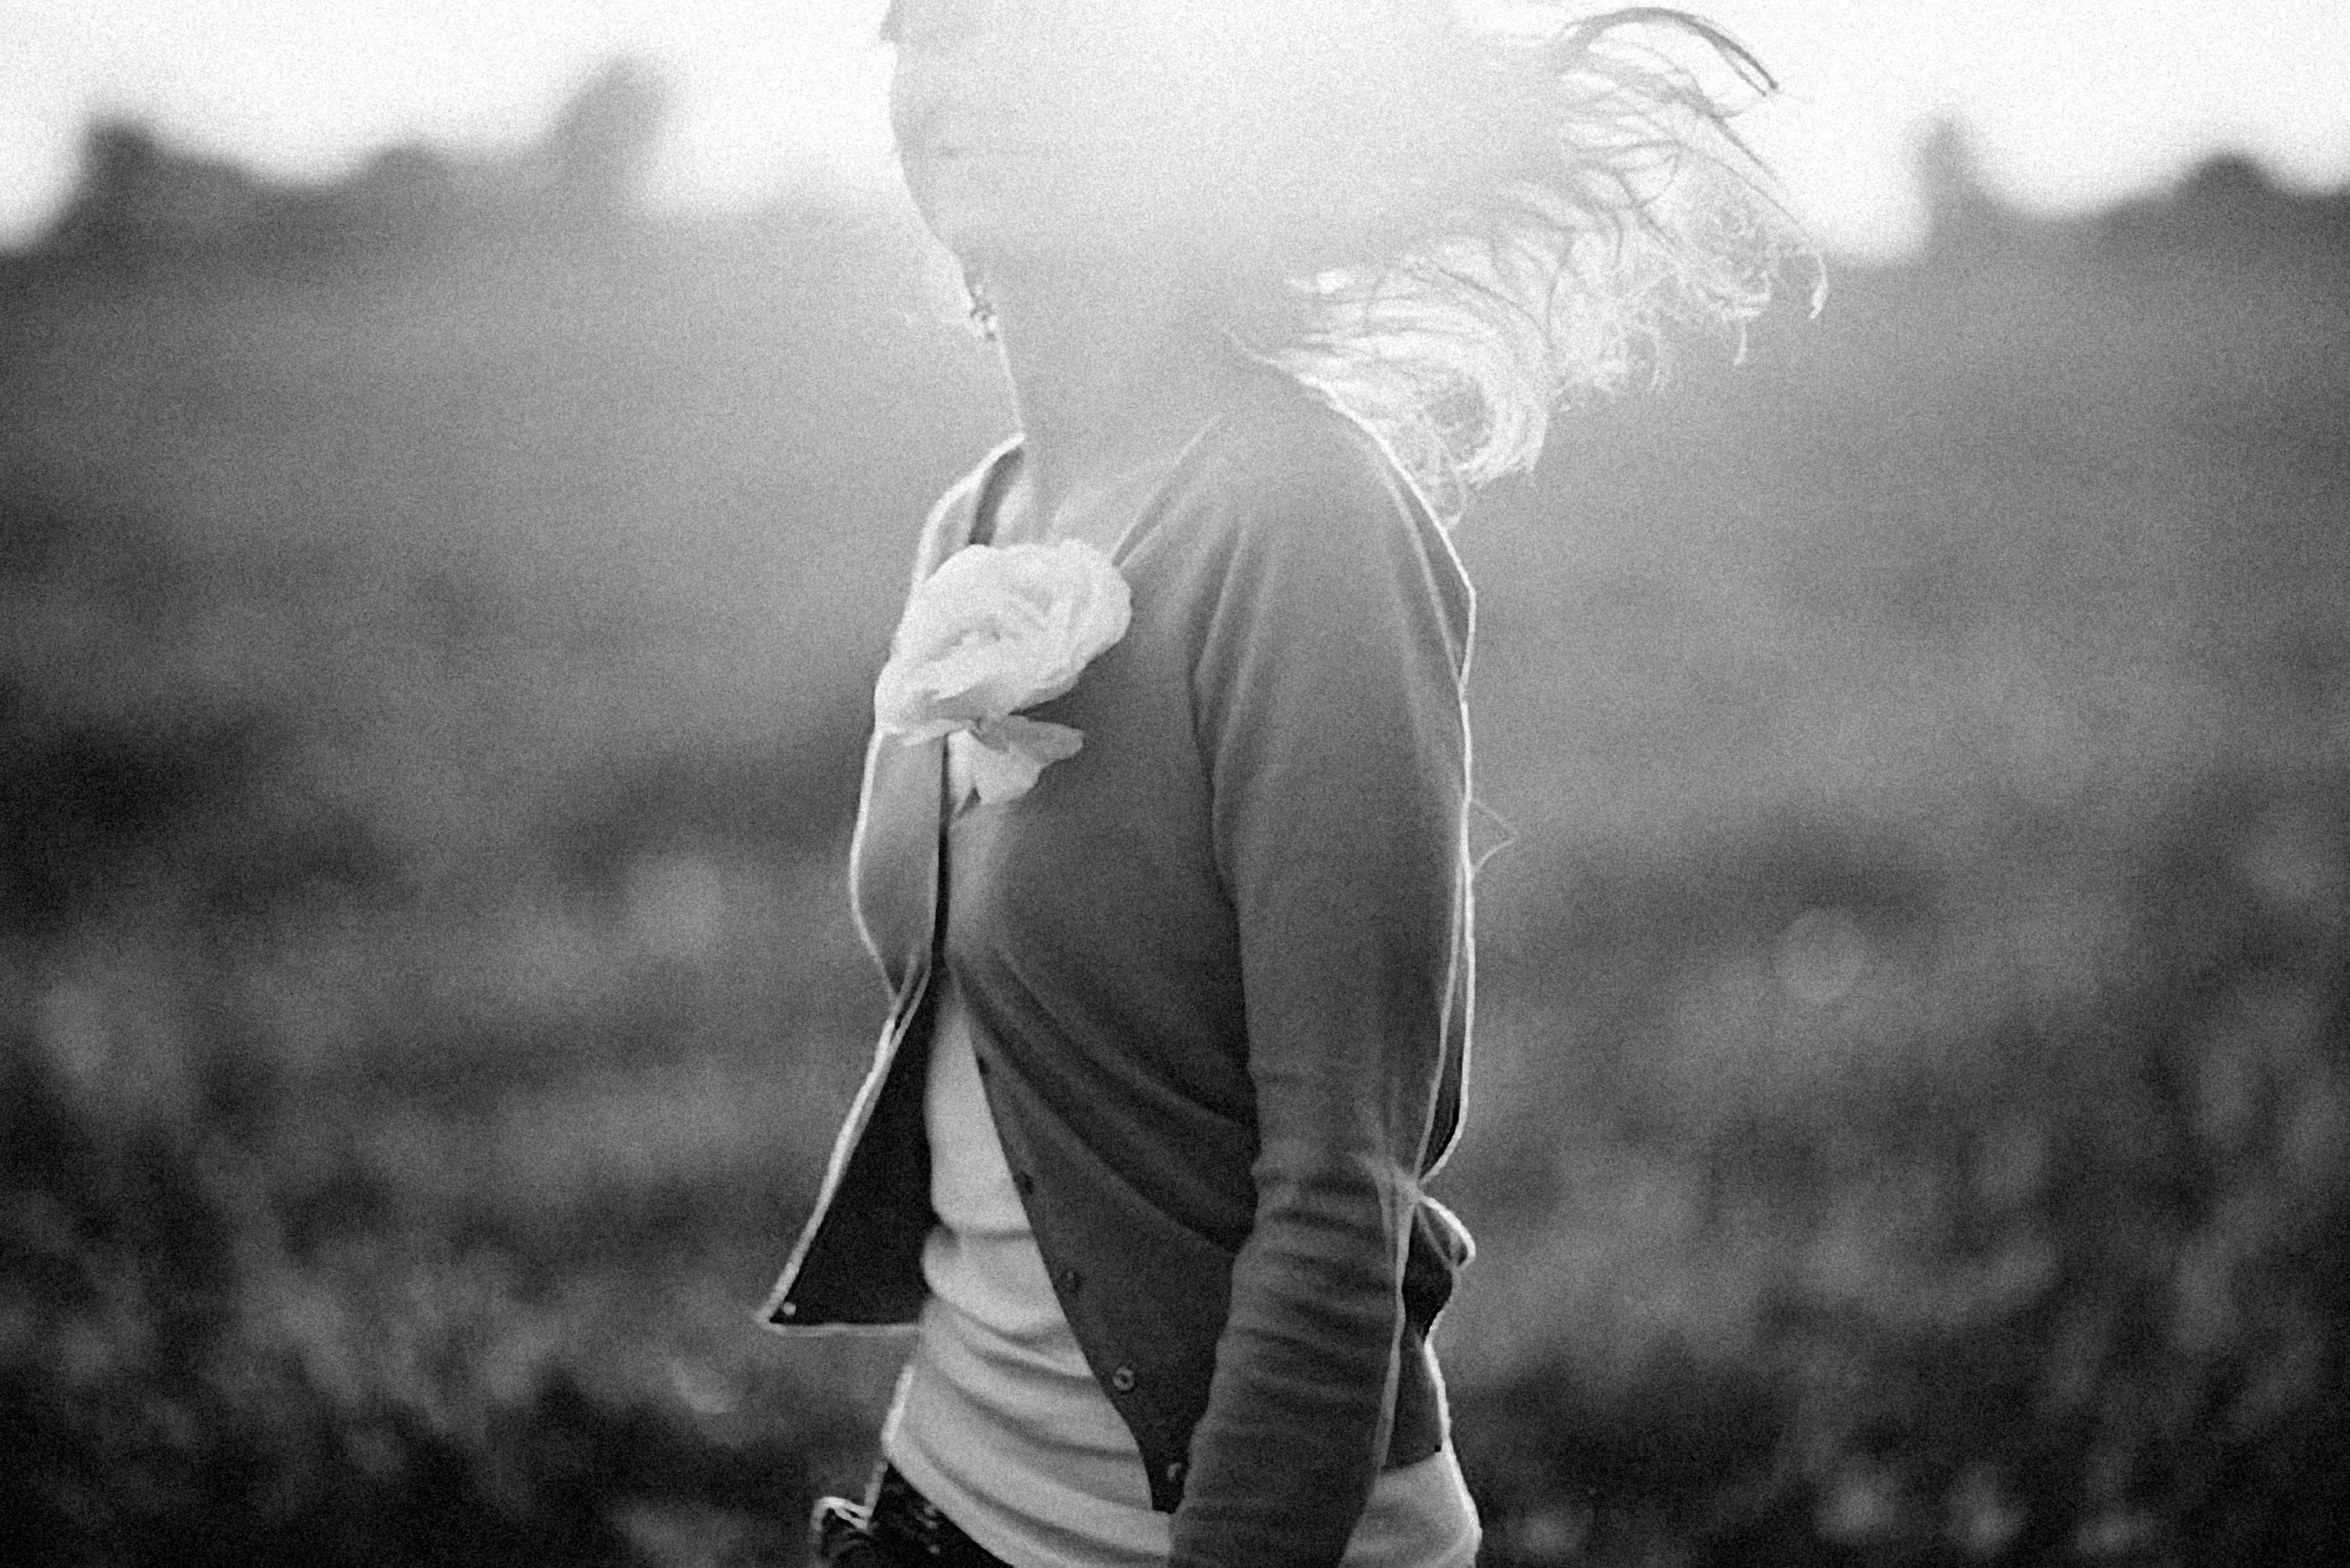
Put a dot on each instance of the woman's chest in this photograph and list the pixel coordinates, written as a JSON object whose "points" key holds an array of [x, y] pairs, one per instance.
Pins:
{"points": [[1109, 857]]}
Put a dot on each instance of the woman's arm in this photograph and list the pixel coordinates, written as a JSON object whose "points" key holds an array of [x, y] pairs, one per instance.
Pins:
{"points": [[1329, 707]]}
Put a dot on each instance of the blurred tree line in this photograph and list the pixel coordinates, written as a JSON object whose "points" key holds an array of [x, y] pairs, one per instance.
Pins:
{"points": [[436, 616]]}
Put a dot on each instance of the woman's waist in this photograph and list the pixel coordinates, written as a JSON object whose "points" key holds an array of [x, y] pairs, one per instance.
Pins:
{"points": [[993, 1296], [1021, 1407]]}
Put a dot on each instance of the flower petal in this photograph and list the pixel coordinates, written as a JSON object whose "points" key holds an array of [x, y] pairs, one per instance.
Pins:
{"points": [[1001, 775], [1006, 756], [998, 629], [1046, 742]]}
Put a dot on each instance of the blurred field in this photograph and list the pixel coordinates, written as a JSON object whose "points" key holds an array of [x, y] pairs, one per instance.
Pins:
{"points": [[1913, 1113]]}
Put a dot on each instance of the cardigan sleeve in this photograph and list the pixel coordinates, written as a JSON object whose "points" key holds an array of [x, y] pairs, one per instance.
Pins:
{"points": [[1328, 699]]}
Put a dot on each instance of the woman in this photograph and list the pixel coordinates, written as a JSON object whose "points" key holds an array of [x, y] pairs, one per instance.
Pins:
{"points": [[1162, 842]]}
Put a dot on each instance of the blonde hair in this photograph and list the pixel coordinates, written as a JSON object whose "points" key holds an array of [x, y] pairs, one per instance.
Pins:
{"points": [[1527, 216]]}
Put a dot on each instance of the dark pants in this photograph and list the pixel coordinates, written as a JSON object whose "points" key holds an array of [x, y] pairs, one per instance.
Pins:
{"points": [[896, 1527]]}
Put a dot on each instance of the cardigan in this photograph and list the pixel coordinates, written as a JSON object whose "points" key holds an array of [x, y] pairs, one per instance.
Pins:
{"points": [[1000, 1423], [1218, 967]]}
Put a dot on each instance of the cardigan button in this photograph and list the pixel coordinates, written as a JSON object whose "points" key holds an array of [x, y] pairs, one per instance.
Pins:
{"points": [[1123, 1380], [1072, 1281], [1175, 1473]]}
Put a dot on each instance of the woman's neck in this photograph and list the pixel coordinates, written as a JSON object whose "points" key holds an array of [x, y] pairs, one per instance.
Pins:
{"points": [[1106, 367]]}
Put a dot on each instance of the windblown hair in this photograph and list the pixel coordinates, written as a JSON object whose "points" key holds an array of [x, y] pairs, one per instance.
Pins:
{"points": [[1502, 221]]}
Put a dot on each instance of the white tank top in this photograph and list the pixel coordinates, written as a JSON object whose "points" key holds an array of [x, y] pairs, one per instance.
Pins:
{"points": [[998, 1419]]}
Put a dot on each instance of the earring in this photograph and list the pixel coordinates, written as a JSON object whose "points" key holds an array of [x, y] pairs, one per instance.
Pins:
{"points": [[981, 307]]}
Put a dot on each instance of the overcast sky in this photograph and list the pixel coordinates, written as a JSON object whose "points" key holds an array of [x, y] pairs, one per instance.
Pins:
{"points": [[2074, 102]]}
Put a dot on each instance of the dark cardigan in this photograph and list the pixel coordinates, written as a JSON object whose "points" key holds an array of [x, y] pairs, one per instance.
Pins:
{"points": [[1218, 967]]}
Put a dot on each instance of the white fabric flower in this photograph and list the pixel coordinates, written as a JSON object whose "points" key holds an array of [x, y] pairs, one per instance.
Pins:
{"points": [[992, 631]]}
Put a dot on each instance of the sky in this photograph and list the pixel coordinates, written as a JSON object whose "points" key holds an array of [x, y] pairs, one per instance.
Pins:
{"points": [[2072, 103]]}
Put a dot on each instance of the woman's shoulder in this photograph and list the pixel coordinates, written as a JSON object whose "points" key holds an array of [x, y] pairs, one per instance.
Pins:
{"points": [[1292, 504], [1282, 456], [1292, 472]]}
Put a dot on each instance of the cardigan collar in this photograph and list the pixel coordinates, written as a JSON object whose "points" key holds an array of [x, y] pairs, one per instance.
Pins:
{"points": [[894, 855]]}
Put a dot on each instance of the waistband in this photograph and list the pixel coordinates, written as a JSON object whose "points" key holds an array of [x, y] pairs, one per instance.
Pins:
{"points": [[913, 1524]]}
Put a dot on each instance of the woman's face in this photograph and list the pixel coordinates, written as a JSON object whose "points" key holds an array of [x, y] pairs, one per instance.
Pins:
{"points": [[1063, 129]]}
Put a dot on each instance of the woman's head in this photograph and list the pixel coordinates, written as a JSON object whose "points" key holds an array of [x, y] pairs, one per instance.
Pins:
{"points": [[1041, 129], [1007, 121], [1448, 224]]}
